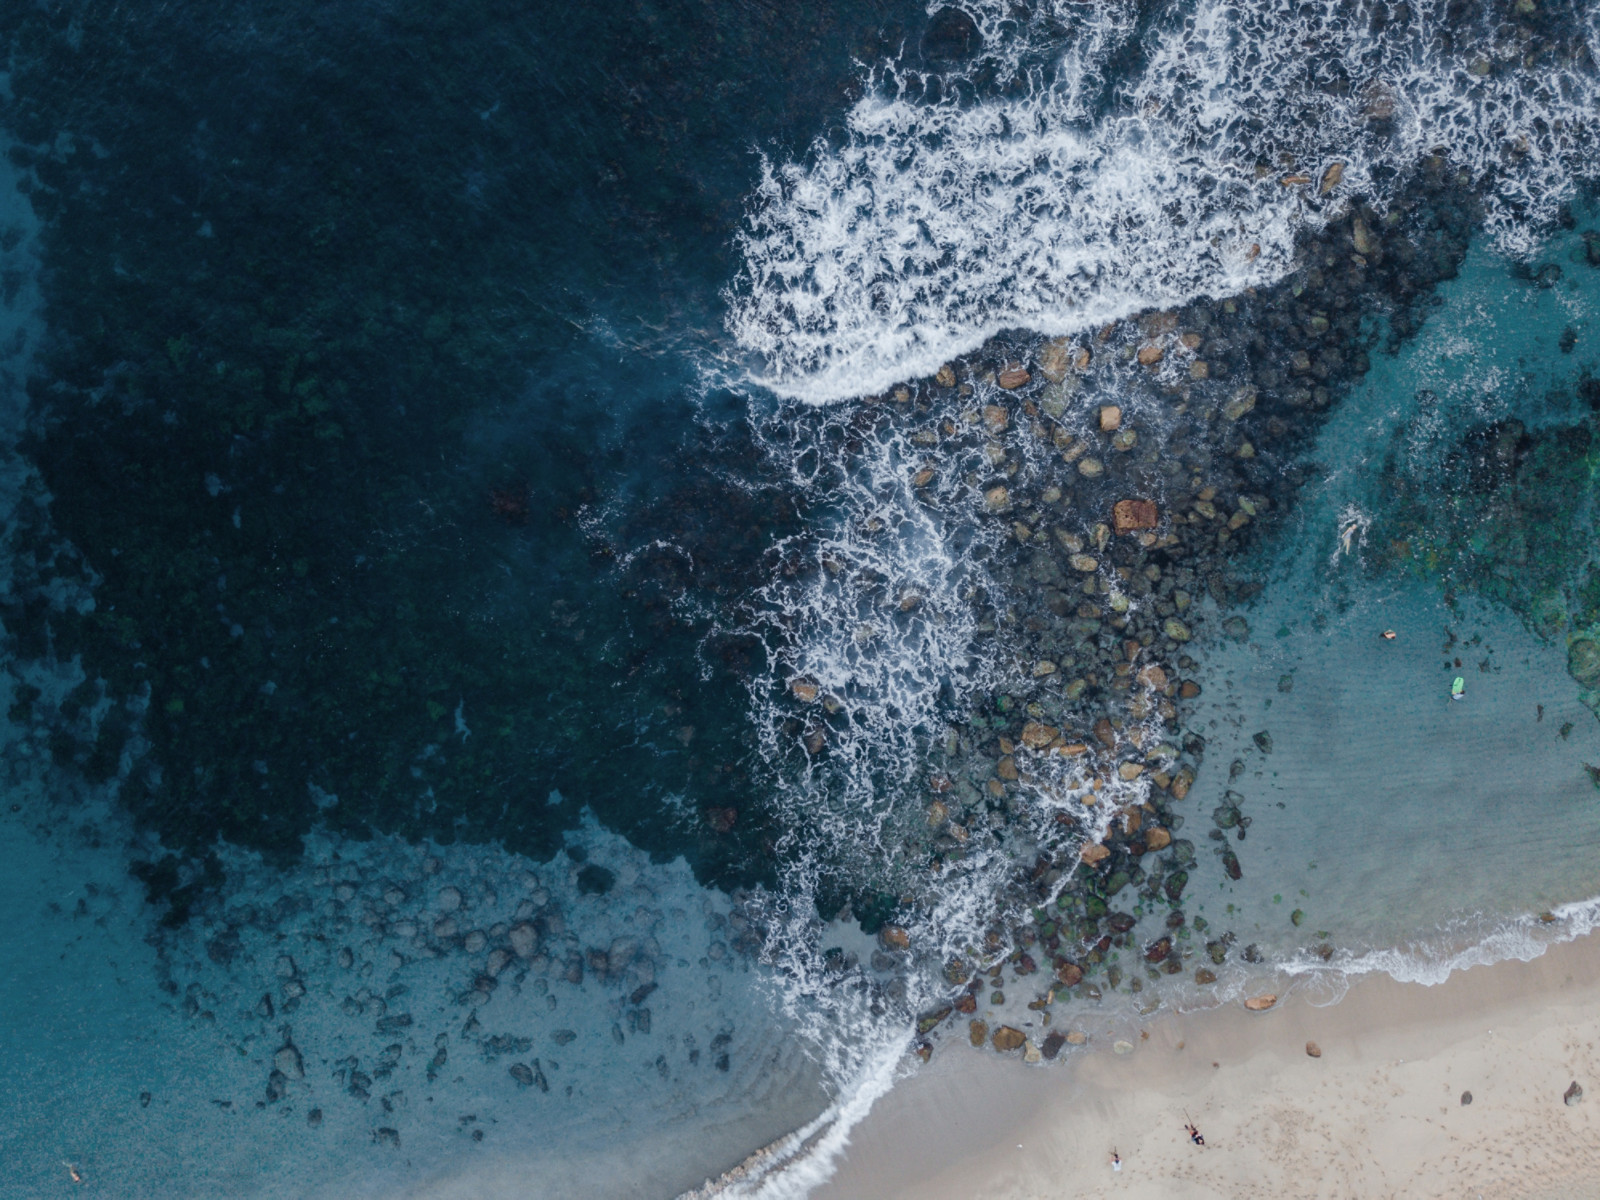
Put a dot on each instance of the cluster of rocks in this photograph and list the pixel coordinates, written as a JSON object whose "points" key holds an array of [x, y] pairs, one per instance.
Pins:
{"points": [[1112, 485], [392, 959]]}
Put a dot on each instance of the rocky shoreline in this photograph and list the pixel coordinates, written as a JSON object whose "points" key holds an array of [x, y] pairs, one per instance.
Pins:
{"points": [[1114, 486]]}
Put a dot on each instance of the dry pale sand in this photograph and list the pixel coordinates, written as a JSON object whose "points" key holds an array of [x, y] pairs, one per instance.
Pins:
{"points": [[1378, 1115]]}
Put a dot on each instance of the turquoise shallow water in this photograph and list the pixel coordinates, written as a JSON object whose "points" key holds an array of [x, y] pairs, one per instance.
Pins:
{"points": [[1388, 814]]}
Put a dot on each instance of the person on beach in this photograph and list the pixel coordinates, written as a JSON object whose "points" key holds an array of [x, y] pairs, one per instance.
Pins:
{"points": [[1194, 1136], [1116, 1161], [1389, 635]]}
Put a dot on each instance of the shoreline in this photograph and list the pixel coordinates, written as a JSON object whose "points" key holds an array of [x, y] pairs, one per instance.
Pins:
{"points": [[1380, 1113]]}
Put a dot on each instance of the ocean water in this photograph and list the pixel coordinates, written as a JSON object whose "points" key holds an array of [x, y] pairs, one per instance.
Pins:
{"points": [[584, 590]]}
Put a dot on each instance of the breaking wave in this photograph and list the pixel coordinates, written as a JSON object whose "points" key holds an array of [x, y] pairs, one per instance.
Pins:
{"points": [[1049, 187]]}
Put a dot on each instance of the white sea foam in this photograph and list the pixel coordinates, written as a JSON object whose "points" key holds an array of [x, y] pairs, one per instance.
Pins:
{"points": [[935, 225]]}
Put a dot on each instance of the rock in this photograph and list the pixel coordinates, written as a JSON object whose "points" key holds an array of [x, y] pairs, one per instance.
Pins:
{"points": [[1054, 360], [722, 818], [1007, 1039], [524, 939], [1176, 630], [264, 1008], [1204, 975], [499, 959], [1263, 741], [946, 376], [1236, 628], [1052, 1044], [1015, 375], [1466, 1099], [444, 928], [928, 1022], [1006, 768], [1128, 516], [1091, 468], [1110, 418], [1152, 676], [1243, 401], [894, 937], [449, 899], [1150, 354], [1069, 974], [347, 958], [1583, 661], [1083, 562], [1094, 853], [286, 968], [1331, 178], [1262, 1002], [997, 498], [1121, 1047], [938, 812], [277, 1086], [804, 690], [521, 1073], [995, 419], [1043, 668], [1313, 1050], [314, 1118], [1157, 838], [1362, 236], [1573, 1095], [1030, 1052], [1036, 735], [1076, 1037], [287, 1060]]}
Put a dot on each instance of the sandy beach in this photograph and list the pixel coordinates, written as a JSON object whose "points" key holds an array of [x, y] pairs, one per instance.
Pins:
{"points": [[1379, 1114]]}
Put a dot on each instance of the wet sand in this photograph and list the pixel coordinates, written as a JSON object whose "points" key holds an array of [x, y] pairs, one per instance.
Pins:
{"points": [[1379, 1114]]}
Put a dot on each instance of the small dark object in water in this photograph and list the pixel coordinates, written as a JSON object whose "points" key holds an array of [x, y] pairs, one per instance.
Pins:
{"points": [[510, 503], [1466, 1099]]}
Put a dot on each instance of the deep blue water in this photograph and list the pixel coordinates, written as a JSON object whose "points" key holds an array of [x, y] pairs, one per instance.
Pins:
{"points": [[597, 533]]}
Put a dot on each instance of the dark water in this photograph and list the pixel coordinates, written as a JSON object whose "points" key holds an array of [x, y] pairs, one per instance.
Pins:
{"points": [[635, 492]]}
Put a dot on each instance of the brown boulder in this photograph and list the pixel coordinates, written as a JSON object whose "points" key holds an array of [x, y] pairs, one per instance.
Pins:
{"points": [[1110, 418], [1313, 1050], [894, 937], [1036, 735], [1156, 838], [1007, 1039], [1070, 974], [1262, 1002], [1014, 376], [978, 1032], [1150, 354], [1127, 516], [1093, 853], [1054, 360]]}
